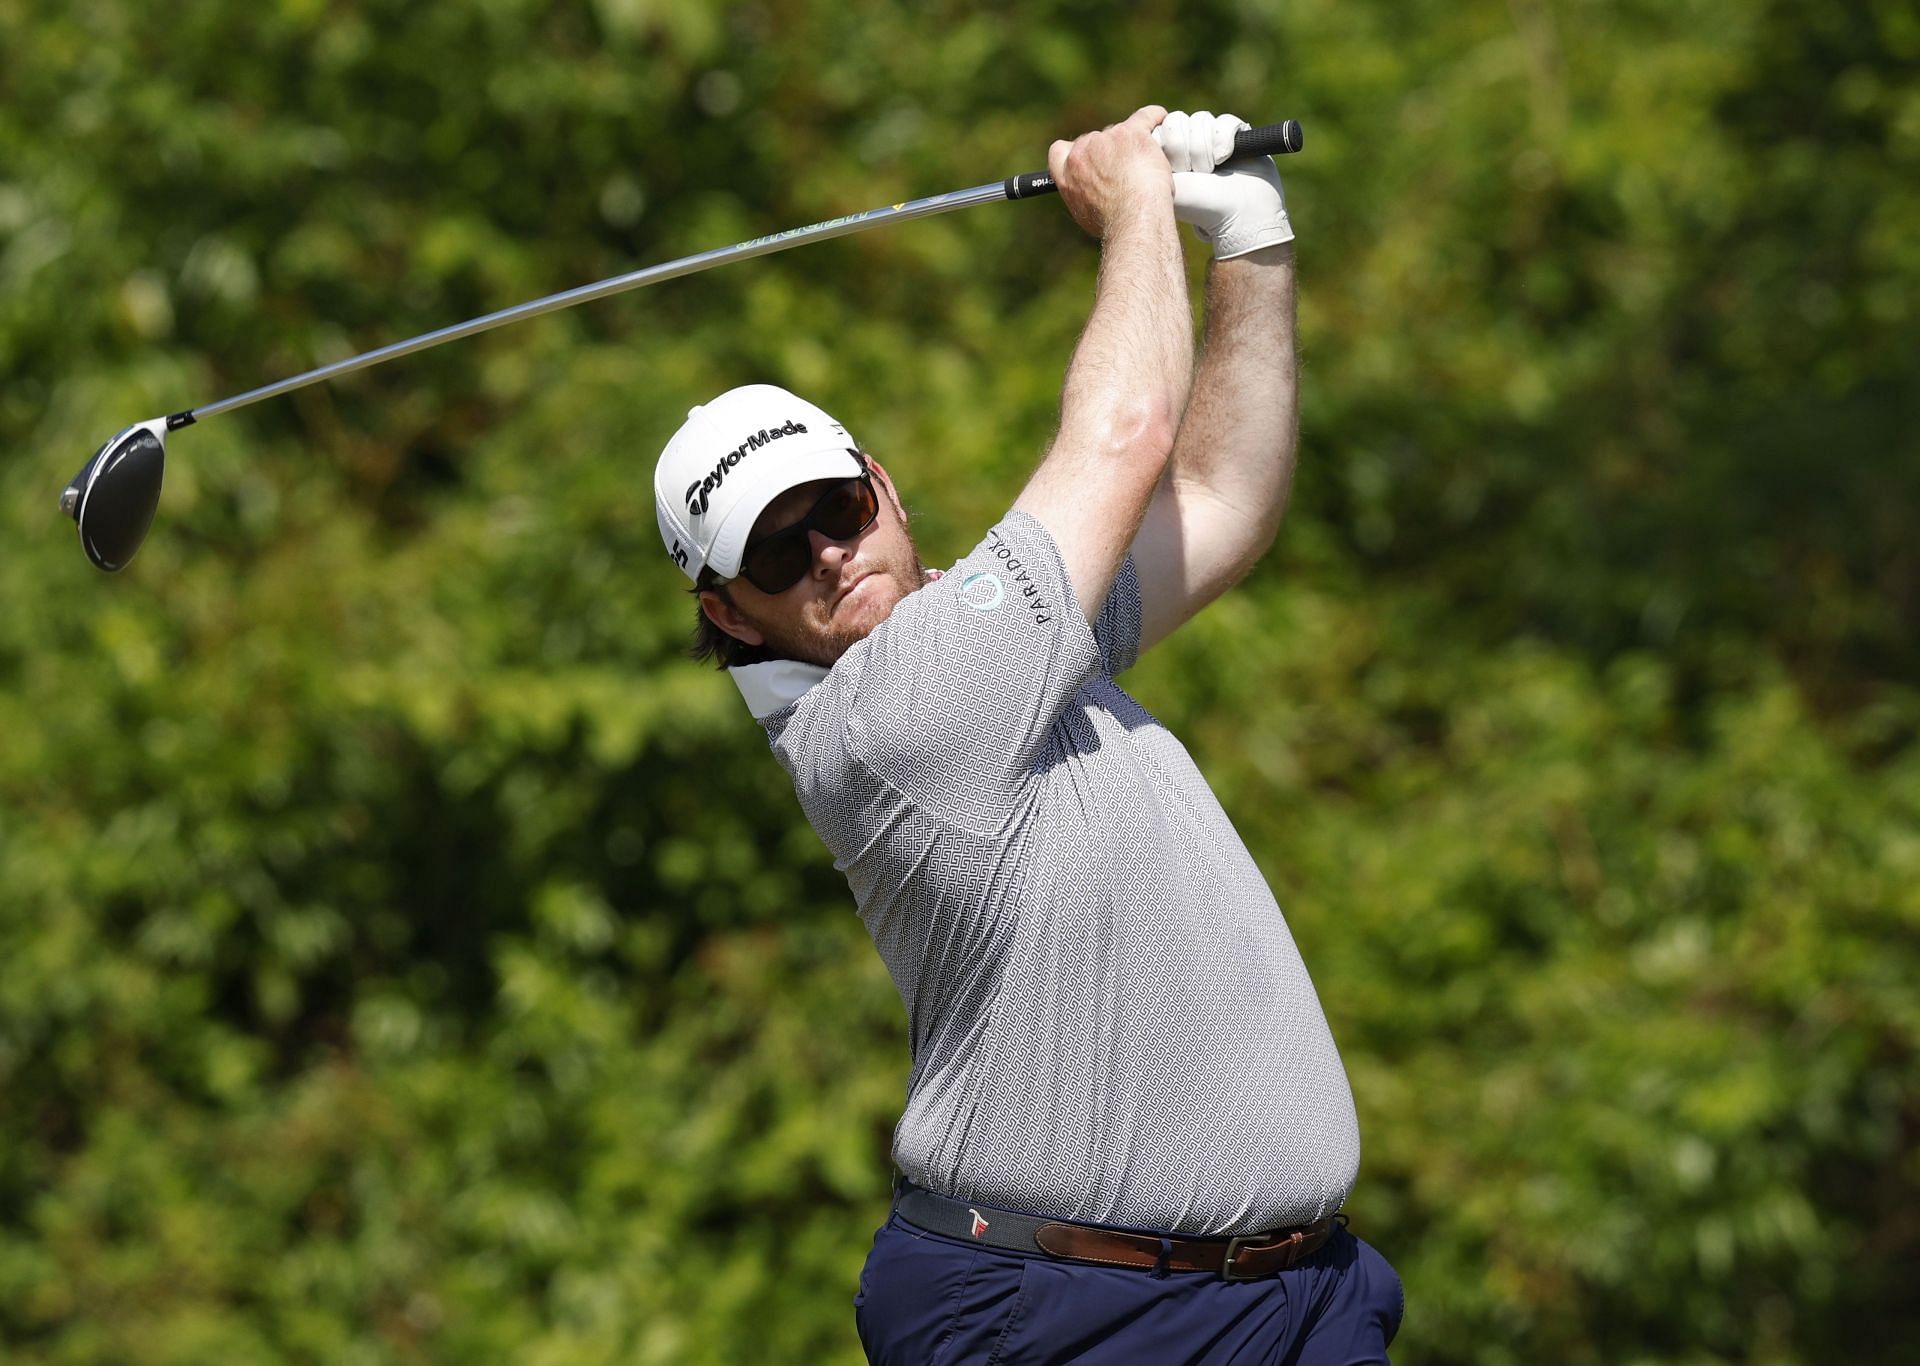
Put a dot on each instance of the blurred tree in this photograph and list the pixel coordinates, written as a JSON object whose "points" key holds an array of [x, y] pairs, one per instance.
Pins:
{"points": [[405, 957]]}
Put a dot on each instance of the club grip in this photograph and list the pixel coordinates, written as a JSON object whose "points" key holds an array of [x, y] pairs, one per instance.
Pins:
{"points": [[1273, 139]]}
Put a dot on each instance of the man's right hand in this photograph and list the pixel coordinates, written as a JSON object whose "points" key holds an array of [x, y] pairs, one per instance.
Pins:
{"points": [[1106, 177]]}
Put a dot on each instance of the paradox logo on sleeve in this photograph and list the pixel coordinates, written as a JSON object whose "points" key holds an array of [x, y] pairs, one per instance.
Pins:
{"points": [[1023, 584]]}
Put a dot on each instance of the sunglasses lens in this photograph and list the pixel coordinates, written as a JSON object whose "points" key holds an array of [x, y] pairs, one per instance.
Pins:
{"points": [[845, 511], [777, 563], [781, 560]]}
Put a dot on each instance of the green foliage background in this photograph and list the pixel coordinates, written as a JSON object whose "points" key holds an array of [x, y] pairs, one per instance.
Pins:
{"points": [[404, 958]]}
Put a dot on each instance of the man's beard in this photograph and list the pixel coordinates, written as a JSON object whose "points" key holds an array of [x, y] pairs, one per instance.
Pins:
{"points": [[824, 647]]}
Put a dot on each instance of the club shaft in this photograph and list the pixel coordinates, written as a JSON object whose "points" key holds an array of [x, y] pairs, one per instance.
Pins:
{"points": [[1272, 139], [618, 284]]}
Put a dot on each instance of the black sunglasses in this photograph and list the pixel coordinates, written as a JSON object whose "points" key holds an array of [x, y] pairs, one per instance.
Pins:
{"points": [[775, 563]]}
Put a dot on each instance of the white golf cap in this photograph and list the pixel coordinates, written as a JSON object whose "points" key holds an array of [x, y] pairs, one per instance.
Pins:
{"points": [[732, 457]]}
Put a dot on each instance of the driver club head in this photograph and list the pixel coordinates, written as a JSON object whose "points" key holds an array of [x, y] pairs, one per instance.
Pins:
{"points": [[114, 495]]}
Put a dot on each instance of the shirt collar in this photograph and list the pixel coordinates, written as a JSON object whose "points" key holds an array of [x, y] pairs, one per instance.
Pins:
{"points": [[775, 685]]}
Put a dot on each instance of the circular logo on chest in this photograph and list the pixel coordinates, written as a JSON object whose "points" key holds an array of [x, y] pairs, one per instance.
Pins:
{"points": [[982, 592]]}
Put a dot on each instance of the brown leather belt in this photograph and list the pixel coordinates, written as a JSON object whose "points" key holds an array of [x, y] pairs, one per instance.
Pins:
{"points": [[1245, 1258]]}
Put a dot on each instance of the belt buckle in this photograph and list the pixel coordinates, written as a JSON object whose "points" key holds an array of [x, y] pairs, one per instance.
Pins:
{"points": [[1234, 1245], [1268, 1243]]}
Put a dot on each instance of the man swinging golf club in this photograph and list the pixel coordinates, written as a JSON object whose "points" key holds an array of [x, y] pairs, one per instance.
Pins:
{"points": [[1127, 1131]]}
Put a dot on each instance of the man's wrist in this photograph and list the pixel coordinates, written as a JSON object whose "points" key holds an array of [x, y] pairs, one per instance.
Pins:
{"points": [[1140, 215], [1280, 253], [1239, 240]]}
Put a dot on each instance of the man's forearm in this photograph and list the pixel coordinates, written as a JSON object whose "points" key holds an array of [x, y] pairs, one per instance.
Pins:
{"points": [[1133, 365], [1237, 443], [1121, 404]]}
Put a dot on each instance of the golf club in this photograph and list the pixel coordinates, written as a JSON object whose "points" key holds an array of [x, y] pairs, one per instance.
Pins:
{"points": [[115, 494]]}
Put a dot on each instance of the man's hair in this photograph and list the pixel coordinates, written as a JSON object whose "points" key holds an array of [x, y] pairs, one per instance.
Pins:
{"points": [[709, 641]]}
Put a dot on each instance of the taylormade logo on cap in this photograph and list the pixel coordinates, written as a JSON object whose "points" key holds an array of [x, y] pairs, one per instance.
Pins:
{"points": [[717, 476], [698, 493]]}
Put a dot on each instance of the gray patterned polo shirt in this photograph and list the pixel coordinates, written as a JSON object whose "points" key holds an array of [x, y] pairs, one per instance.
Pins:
{"points": [[1109, 1020]]}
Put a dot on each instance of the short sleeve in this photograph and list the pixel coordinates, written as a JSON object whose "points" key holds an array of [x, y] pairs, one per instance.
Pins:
{"points": [[953, 698], [1117, 629]]}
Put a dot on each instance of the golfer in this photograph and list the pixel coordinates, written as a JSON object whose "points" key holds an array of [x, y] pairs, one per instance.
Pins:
{"points": [[1128, 1132]]}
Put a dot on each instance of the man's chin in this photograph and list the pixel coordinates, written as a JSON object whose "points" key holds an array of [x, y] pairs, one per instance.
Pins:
{"points": [[867, 604], [854, 617]]}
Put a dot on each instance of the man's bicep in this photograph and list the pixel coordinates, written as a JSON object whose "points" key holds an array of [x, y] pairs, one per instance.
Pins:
{"points": [[1193, 545], [1089, 493]]}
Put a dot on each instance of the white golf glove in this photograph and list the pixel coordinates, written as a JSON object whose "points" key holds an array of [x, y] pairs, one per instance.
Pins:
{"points": [[1238, 206]]}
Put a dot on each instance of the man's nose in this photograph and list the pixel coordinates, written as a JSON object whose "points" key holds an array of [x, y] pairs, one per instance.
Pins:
{"points": [[828, 554]]}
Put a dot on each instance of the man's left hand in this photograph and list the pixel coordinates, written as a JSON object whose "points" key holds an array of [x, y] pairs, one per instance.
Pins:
{"points": [[1238, 206]]}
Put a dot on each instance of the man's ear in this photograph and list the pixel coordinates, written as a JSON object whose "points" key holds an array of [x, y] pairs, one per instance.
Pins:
{"points": [[721, 612]]}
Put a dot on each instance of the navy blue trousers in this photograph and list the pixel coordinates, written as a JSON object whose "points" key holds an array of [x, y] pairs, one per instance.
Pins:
{"points": [[930, 1300]]}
